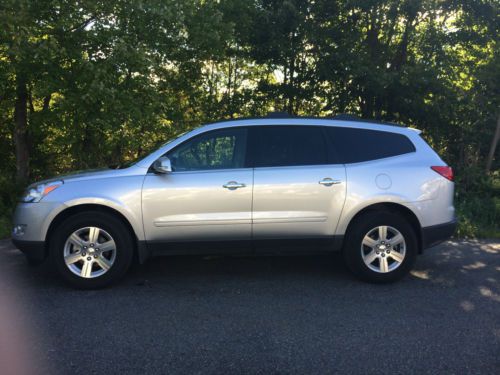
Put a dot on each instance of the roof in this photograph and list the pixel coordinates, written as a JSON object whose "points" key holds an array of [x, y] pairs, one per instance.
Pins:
{"points": [[285, 115]]}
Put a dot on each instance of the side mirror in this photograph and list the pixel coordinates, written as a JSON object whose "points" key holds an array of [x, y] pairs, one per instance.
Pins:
{"points": [[162, 165]]}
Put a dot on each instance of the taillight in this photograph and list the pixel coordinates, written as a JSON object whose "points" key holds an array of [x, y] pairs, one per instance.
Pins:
{"points": [[446, 172]]}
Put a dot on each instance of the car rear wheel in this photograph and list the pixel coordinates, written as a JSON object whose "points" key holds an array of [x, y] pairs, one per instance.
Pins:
{"points": [[380, 247], [92, 249]]}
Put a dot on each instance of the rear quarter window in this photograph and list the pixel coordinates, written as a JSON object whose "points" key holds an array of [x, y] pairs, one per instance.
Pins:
{"points": [[357, 145]]}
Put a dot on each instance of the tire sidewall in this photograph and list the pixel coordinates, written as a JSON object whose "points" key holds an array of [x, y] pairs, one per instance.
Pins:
{"points": [[112, 225], [362, 225]]}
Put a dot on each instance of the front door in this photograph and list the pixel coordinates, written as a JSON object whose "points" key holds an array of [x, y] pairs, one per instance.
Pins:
{"points": [[208, 194]]}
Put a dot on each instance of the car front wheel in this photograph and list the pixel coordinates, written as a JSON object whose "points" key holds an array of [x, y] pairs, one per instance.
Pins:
{"points": [[92, 249]]}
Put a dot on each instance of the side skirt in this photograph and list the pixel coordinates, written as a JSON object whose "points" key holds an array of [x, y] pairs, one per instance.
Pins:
{"points": [[289, 246]]}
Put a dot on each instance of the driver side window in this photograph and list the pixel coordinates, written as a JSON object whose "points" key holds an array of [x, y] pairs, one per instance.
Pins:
{"points": [[219, 149]]}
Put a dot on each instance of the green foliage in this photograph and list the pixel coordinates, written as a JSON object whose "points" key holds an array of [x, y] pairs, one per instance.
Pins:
{"points": [[9, 192], [477, 202], [107, 81]]}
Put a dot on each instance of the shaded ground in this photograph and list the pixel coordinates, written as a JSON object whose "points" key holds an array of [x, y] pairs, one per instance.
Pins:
{"points": [[263, 315]]}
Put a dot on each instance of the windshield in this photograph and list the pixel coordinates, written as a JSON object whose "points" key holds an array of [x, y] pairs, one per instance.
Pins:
{"points": [[129, 163]]}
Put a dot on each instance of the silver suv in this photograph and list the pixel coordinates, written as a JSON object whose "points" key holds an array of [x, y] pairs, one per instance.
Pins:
{"points": [[376, 192]]}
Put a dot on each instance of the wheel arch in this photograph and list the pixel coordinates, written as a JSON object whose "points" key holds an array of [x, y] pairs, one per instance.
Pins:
{"points": [[140, 250], [392, 207]]}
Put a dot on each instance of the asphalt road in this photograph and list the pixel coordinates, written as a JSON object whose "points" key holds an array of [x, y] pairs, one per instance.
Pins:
{"points": [[260, 315]]}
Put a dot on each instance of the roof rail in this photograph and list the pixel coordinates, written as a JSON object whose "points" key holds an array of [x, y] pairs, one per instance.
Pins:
{"points": [[347, 117], [279, 115], [285, 115]]}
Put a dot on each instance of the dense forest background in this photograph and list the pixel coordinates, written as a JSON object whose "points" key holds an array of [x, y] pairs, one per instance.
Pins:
{"points": [[99, 82]]}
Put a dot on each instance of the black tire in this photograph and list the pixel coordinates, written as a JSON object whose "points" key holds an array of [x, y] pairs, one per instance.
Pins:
{"points": [[111, 224], [354, 238]]}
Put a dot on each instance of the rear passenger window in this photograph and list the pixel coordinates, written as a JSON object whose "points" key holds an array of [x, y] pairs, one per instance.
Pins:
{"points": [[279, 146], [357, 145]]}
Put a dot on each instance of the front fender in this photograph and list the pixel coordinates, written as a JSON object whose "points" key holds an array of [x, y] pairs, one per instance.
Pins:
{"points": [[133, 219], [120, 194]]}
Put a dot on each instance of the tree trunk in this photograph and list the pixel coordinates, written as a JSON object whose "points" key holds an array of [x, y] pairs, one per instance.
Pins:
{"points": [[291, 86], [21, 131], [46, 103], [493, 147]]}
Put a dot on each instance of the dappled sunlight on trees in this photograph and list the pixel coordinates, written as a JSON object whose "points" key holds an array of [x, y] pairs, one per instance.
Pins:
{"points": [[103, 82]]}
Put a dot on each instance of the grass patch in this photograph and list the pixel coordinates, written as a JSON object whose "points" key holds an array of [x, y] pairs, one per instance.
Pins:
{"points": [[5, 226]]}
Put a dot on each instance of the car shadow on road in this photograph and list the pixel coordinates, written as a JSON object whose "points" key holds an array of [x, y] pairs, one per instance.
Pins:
{"points": [[316, 266], [445, 265]]}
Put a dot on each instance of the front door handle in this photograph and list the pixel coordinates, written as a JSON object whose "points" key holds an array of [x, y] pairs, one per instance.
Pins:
{"points": [[329, 182], [232, 185]]}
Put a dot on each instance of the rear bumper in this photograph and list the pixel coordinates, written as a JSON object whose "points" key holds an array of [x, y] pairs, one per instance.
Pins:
{"points": [[435, 234], [34, 250]]}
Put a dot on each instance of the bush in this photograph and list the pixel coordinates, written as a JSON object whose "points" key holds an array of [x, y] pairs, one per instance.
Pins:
{"points": [[9, 192], [477, 201]]}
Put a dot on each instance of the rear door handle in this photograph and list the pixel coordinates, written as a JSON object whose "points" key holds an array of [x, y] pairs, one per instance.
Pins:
{"points": [[232, 185], [329, 182]]}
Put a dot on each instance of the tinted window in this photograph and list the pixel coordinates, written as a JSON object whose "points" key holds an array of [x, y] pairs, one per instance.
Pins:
{"points": [[357, 145], [219, 149], [275, 146]]}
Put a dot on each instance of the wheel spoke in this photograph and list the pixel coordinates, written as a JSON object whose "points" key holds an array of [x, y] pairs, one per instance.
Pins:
{"points": [[370, 257], [103, 263], [86, 269], [93, 234], [107, 246], [398, 257], [389, 248], [382, 233], [396, 240], [76, 240], [384, 266], [82, 251], [370, 242], [72, 258]]}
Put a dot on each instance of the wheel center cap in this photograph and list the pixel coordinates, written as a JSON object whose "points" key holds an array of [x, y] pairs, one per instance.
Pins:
{"points": [[382, 247], [91, 250]]}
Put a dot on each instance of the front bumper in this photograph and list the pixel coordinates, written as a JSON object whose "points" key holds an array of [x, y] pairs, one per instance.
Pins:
{"points": [[35, 219], [435, 234], [34, 250]]}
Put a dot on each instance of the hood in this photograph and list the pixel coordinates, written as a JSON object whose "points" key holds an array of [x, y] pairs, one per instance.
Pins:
{"points": [[83, 173], [87, 175]]}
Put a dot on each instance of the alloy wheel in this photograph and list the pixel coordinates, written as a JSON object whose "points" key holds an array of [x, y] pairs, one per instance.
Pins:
{"points": [[89, 252], [383, 249]]}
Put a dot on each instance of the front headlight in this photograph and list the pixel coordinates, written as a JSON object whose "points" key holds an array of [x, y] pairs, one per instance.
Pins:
{"points": [[36, 193]]}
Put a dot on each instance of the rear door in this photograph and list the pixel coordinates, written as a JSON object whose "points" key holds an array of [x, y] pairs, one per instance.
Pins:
{"points": [[299, 190]]}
